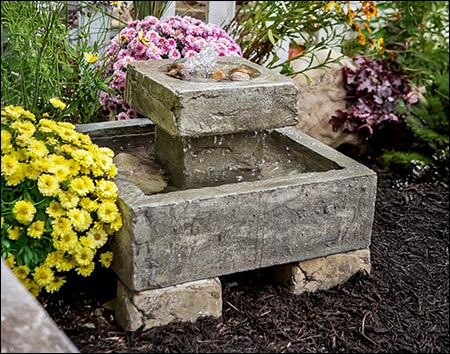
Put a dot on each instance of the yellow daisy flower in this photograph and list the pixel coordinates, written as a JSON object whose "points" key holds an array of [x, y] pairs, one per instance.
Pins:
{"points": [[106, 259], [24, 212], [55, 284], [90, 57], [36, 229], [57, 103], [48, 185], [43, 275], [13, 232], [86, 270]]}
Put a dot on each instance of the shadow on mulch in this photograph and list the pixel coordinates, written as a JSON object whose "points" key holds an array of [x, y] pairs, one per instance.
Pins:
{"points": [[401, 306]]}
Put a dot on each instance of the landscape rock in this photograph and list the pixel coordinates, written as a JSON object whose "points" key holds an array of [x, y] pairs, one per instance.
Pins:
{"points": [[321, 98], [180, 303], [323, 273], [26, 326]]}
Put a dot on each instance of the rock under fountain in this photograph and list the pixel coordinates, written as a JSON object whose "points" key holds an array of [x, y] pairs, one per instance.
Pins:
{"points": [[239, 190]]}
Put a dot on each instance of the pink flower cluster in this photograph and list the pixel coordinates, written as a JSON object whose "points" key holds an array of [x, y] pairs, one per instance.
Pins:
{"points": [[151, 39]]}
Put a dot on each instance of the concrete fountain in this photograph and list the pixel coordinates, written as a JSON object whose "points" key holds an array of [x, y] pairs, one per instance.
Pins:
{"points": [[233, 188]]}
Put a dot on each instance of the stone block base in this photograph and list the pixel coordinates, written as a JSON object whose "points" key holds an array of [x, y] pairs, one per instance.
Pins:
{"points": [[322, 273], [157, 307]]}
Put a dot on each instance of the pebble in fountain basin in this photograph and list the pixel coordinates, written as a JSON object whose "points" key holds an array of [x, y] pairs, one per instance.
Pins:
{"points": [[204, 67]]}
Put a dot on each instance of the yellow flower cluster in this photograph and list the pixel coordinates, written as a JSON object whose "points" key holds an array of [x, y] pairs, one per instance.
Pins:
{"points": [[58, 201], [368, 10]]}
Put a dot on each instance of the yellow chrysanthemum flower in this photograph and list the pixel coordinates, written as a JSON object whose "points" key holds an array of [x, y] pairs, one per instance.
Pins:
{"points": [[66, 134], [67, 125], [51, 125], [83, 256], [32, 286], [13, 232], [88, 204], [57, 103], [18, 176], [107, 212], [21, 272], [24, 212], [36, 229], [106, 259], [83, 157], [55, 284], [48, 185], [10, 164], [55, 209], [98, 236], [116, 224], [78, 186], [6, 142], [66, 242], [87, 242], [43, 275], [80, 218], [85, 271], [52, 259], [37, 149], [106, 189], [24, 128], [60, 261], [10, 261], [62, 226], [68, 199]]}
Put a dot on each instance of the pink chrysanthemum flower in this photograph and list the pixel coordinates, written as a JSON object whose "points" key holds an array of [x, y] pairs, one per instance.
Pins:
{"points": [[151, 39]]}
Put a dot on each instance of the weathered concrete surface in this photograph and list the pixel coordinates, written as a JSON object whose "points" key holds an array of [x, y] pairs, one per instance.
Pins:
{"points": [[26, 326], [197, 161], [191, 108], [181, 303], [323, 273], [182, 236]]}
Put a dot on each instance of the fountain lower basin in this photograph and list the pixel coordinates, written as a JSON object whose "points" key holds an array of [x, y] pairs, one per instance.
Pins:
{"points": [[178, 235]]}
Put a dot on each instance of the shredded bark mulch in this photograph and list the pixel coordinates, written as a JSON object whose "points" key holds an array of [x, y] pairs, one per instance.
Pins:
{"points": [[401, 306]]}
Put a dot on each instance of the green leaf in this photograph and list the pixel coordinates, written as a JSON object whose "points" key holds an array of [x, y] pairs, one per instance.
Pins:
{"points": [[270, 36]]}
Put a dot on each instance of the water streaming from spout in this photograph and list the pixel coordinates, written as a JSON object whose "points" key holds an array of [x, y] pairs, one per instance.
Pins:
{"points": [[203, 63]]}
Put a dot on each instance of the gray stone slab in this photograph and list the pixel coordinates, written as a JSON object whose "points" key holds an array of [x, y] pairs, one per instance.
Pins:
{"points": [[26, 326], [192, 108], [181, 236]]}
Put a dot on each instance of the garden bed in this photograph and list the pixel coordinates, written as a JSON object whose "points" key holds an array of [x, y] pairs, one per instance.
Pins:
{"points": [[402, 306]]}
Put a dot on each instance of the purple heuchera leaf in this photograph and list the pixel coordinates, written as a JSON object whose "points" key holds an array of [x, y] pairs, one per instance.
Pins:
{"points": [[373, 90]]}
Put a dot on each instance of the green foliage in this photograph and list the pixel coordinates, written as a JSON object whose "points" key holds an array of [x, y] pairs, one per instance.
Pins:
{"points": [[39, 62], [36, 56], [259, 27], [416, 37], [149, 8], [407, 162], [432, 133]]}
